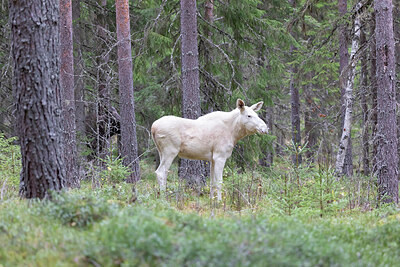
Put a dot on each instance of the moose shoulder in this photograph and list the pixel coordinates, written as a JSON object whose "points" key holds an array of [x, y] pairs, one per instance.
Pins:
{"points": [[210, 137]]}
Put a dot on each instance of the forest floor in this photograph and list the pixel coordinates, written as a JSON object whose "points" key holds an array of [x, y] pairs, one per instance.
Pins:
{"points": [[273, 224]]}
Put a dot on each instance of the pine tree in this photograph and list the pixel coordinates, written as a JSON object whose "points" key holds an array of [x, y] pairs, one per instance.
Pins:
{"points": [[68, 93], [387, 157], [36, 86], [127, 104], [191, 170]]}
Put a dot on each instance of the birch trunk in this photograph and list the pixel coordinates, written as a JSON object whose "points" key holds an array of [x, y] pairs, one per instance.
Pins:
{"points": [[345, 142]]}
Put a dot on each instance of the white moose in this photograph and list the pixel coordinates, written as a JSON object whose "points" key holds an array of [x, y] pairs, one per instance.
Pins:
{"points": [[211, 137]]}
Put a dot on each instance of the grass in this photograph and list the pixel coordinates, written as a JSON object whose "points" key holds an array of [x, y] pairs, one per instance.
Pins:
{"points": [[98, 226]]}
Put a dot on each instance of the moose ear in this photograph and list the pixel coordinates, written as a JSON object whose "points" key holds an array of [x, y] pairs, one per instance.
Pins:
{"points": [[240, 104], [258, 106]]}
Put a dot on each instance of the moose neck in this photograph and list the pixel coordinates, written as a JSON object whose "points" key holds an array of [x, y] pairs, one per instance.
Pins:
{"points": [[239, 130]]}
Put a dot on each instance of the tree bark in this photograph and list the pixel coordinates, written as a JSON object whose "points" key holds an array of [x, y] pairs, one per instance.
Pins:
{"points": [[387, 157], [127, 106], [310, 127], [78, 71], [210, 93], [295, 106], [36, 86], [191, 170], [103, 118], [364, 105], [68, 94], [295, 115], [343, 50], [345, 143], [208, 87], [343, 77], [374, 93]]}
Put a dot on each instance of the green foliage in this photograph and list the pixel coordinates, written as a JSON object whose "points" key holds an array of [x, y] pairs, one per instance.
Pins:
{"points": [[75, 209], [113, 170], [316, 190], [10, 164], [155, 233]]}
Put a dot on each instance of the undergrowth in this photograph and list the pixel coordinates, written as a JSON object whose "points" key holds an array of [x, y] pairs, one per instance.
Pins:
{"points": [[287, 215]]}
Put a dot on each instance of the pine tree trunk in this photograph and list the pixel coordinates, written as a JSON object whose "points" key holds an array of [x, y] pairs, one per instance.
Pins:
{"points": [[343, 52], [345, 140], [364, 106], [78, 71], [127, 105], [68, 94], [295, 105], [103, 119], [190, 170], [37, 95], [387, 157], [310, 130], [374, 93], [208, 87]]}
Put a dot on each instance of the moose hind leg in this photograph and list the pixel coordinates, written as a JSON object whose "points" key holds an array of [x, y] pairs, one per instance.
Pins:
{"points": [[212, 181], [162, 170]]}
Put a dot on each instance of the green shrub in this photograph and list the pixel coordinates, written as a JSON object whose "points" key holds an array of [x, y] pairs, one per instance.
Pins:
{"points": [[114, 171], [132, 236], [10, 162], [77, 210]]}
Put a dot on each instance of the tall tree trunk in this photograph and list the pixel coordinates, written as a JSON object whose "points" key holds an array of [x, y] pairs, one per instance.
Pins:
{"points": [[364, 105], [343, 56], [343, 78], [78, 71], [295, 105], [310, 131], [68, 94], [267, 157], [37, 95], [345, 143], [387, 157], [343, 50], [208, 87], [103, 119], [374, 93], [191, 170], [127, 104]]}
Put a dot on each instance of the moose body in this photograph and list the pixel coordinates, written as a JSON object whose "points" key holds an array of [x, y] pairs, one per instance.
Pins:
{"points": [[211, 137]]}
